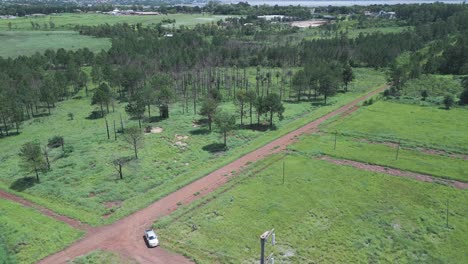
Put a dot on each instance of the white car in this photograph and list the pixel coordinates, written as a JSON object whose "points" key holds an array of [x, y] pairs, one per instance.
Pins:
{"points": [[152, 238]]}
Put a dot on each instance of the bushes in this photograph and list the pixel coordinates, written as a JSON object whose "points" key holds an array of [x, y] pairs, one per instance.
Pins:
{"points": [[56, 141]]}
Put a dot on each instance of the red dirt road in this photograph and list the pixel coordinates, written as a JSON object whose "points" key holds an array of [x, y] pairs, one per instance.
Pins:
{"points": [[126, 235]]}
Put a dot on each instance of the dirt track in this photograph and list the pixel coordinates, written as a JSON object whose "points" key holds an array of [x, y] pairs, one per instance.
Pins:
{"points": [[126, 235]]}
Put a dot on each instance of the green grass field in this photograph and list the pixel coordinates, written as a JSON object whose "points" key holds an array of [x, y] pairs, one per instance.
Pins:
{"points": [[23, 40], [68, 21], [5, 258], [101, 257], [323, 213], [16, 43], [424, 126], [83, 183], [29, 235], [381, 154]]}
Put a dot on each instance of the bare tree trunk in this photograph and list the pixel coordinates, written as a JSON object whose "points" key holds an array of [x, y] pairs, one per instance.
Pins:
{"points": [[135, 148], [46, 154], [37, 174]]}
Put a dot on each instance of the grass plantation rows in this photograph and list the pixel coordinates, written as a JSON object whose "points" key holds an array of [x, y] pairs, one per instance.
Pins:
{"points": [[430, 127], [323, 213]]}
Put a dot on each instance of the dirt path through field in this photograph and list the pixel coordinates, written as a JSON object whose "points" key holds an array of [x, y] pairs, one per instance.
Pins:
{"points": [[396, 172], [126, 235]]}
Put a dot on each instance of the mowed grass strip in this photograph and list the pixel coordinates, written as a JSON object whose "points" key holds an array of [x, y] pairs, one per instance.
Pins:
{"points": [[324, 213], [29, 236], [17, 43], [384, 155], [424, 126]]}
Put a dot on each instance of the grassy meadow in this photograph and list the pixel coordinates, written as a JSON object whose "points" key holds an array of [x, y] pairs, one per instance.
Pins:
{"points": [[83, 183], [322, 213], [21, 39], [16, 43], [69, 21], [422, 126], [27, 235], [383, 154]]}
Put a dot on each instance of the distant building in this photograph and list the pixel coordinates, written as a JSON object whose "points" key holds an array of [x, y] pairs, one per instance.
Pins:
{"points": [[389, 15]]}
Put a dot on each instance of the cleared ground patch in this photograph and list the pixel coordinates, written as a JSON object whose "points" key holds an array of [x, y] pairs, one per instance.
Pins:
{"points": [[323, 213], [424, 126], [28, 236], [16, 43]]}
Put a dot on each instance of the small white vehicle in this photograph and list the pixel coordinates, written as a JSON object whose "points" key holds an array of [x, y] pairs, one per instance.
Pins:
{"points": [[151, 238]]}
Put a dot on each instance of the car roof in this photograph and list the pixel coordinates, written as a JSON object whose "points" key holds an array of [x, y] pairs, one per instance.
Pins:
{"points": [[150, 232]]}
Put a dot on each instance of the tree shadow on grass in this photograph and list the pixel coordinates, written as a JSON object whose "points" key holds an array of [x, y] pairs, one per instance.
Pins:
{"points": [[155, 119], [23, 184], [40, 114], [214, 147], [200, 131], [261, 127], [95, 115]]}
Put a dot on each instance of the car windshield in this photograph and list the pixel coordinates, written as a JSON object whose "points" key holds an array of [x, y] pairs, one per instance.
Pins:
{"points": [[151, 237]]}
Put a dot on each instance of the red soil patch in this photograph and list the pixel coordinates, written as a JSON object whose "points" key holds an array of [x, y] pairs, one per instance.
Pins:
{"points": [[396, 172]]}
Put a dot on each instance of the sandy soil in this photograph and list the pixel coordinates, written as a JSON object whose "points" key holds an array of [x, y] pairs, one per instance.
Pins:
{"points": [[309, 23]]}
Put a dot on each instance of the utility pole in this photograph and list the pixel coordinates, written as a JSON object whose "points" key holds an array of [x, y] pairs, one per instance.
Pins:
{"points": [[398, 149], [283, 170], [447, 214], [263, 238], [334, 146]]}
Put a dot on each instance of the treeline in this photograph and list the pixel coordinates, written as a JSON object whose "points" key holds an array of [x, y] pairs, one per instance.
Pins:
{"points": [[29, 84], [47, 8], [370, 50], [445, 53]]}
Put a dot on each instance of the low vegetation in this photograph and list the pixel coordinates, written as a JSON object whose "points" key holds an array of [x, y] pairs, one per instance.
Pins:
{"points": [[102, 257], [385, 154], [322, 213], [28, 236], [18, 43], [429, 127]]}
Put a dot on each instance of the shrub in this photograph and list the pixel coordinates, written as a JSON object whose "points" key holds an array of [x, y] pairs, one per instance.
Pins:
{"points": [[55, 142]]}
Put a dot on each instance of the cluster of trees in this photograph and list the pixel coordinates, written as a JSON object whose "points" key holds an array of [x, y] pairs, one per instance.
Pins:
{"points": [[446, 52], [23, 8], [28, 84], [324, 78], [36, 158]]}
